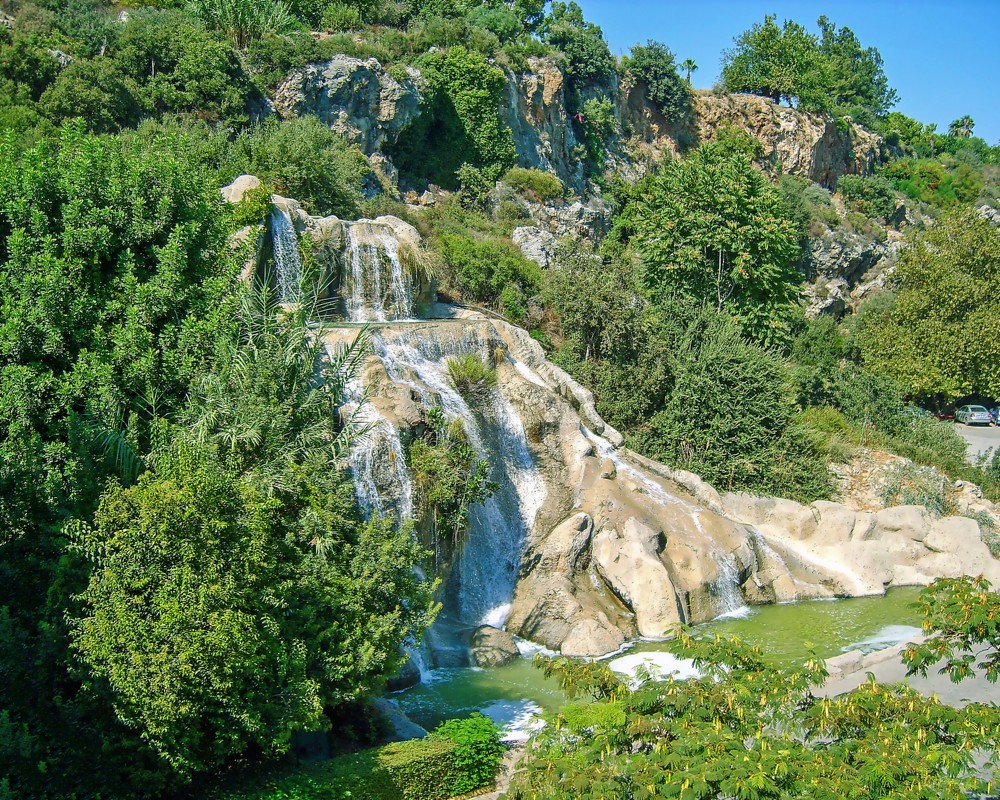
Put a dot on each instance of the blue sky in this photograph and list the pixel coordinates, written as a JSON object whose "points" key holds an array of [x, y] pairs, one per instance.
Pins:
{"points": [[941, 57]]}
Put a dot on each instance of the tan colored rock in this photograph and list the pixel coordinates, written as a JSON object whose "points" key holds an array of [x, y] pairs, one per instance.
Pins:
{"points": [[237, 190], [909, 521], [629, 562], [492, 647], [590, 637]]}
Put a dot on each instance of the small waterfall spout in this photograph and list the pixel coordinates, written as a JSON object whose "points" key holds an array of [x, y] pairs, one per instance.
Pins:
{"points": [[287, 264], [725, 591], [379, 287]]}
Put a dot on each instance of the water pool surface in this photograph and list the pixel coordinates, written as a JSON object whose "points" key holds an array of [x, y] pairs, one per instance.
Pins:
{"points": [[513, 695]]}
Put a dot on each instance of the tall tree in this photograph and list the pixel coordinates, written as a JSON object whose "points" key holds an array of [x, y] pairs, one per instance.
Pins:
{"points": [[942, 335], [962, 126], [689, 66], [857, 79], [781, 62], [713, 228]]}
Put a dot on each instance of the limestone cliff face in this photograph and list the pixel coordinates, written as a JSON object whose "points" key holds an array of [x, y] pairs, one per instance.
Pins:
{"points": [[794, 142], [356, 98], [372, 108]]}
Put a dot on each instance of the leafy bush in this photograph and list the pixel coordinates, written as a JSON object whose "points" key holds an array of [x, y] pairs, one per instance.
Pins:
{"points": [[482, 270], [473, 187], [534, 184], [470, 376], [653, 64], [911, 485], [458, 757], [729, 417], [448, 474], [478, 754], [462, 123], [873, 196], [588, 59], [302, 158]]}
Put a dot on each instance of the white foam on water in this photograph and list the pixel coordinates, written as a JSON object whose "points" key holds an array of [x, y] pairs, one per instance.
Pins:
{"points": [[529, 649], [517, 719], [658, 665], [743, 612], [496, 617], [888, 636]]}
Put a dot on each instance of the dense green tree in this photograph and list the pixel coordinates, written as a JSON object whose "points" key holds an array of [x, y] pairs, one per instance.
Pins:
{"points": [[711, 227], [588, 59], [729, 416], [174, 64], [783, 63], [940, 337], [857, 79], [462, 123], [654, 65], [93, 91], [109, 306], [832, 72]]}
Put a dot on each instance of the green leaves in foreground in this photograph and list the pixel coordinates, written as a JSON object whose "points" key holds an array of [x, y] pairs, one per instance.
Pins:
{"points": [[749, 729], [964, 616]]}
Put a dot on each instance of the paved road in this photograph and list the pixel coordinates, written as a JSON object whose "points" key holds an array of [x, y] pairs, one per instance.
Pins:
{"points": [[981, 438]]}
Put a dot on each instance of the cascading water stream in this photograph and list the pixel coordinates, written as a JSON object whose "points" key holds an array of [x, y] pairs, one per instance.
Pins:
{"points": [[380, 288], [287, 263], [485, 571]]}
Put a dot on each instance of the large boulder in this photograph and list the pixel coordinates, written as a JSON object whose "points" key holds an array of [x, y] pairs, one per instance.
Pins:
{"points": [[492, 647], [629, 561]]}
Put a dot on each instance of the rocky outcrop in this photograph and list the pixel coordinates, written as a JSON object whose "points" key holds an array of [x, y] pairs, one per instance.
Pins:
{"points": [[535, 110], [358, 99], [865, 552], [371, 106], [793, 142], [989, 213]]}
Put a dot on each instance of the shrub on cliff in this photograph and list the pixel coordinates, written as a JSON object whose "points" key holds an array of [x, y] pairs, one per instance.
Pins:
{"points": [[654, 65]]}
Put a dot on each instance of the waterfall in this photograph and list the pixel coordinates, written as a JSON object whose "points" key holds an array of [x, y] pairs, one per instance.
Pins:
{"points": [[484, 573], [382, 480], [287, 264], [379, 287], [725, 590]]}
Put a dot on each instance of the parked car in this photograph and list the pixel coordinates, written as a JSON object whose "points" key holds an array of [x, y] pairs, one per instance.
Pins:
{"points": [[973, 415], [995, 413]]}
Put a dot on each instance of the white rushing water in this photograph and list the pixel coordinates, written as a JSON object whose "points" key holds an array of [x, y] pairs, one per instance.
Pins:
{"points": [[485, 570], [287, 263], [380, 288], [382, 480]]}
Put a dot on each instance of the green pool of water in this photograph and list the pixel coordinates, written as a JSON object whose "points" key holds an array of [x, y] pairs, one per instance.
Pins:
{"points": [[511, 694]]}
